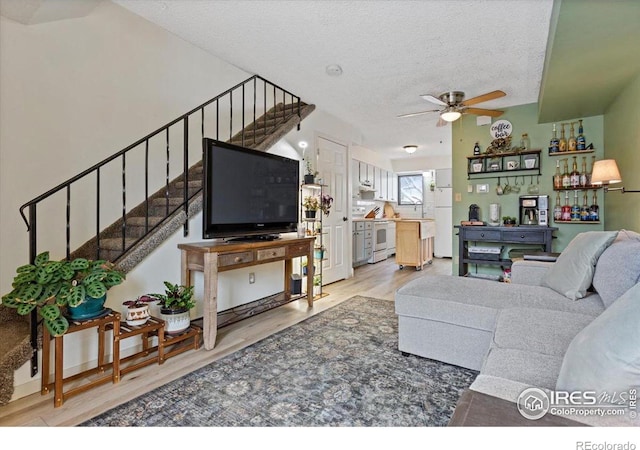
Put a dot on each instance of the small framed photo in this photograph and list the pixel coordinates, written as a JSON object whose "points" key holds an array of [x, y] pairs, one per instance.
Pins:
{"points": [[482, 188]]}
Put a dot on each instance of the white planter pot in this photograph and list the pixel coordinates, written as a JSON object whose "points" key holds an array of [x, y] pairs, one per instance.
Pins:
{"points": [[137, 316], [175, 321]]}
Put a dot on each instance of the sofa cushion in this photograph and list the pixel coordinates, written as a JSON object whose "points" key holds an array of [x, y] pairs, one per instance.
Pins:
{"points": [[531, 368], [605, 355], [538, 330], [572, 273], [475, 303], [618, 268]]}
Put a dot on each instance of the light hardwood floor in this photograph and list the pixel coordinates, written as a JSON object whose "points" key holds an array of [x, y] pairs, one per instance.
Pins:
{"points": [[372, 280]]}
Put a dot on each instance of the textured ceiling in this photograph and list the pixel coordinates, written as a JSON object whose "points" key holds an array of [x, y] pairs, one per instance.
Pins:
{"points": [[390, 53]]}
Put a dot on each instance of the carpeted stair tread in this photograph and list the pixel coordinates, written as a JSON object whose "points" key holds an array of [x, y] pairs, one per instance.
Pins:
{"points": [[139, 221], [15, 349]]}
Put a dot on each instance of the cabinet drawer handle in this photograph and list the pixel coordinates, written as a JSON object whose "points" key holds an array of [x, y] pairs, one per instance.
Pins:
{"points": [[522, 236], [481, 234], [274, 254], [238, 259]]}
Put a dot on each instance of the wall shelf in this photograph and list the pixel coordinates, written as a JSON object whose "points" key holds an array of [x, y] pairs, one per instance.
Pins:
{"points": [[495, 166], [577, 152]]}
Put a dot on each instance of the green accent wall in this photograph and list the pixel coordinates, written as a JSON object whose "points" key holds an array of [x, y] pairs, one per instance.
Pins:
{"points": [[524, 119], [622, 143]]}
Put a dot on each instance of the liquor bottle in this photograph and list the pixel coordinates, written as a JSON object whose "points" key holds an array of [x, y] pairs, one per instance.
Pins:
{"points": [[571, 144], [554, 144], [575, 208], [562, 145], [575, 175], [557, 211], [584, 176], [525, 143], [566, 177], [557, 178], [594, 210], [581, 142], [476, 150], [566, 208], [584, 210]]}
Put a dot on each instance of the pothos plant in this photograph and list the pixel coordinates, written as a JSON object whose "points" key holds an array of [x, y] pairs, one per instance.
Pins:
{"points": [[51, 285]]}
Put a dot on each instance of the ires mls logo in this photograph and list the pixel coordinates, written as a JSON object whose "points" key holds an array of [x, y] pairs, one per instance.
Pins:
{"points": [[533, 403]]}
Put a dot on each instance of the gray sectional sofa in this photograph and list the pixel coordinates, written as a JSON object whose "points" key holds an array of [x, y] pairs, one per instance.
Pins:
{"points": [[569, 325]]}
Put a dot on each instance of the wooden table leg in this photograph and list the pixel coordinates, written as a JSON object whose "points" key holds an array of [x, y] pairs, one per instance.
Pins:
{"points": [[288, 270], [210, 313], [116, 350], [46, 355], [57, 388]]}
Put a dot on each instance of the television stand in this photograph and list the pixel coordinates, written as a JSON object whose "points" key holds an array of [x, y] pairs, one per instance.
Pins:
{"points": [[212, 258]]}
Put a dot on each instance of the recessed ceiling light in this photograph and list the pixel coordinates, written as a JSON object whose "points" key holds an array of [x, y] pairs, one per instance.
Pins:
{"points": [[303, 144], [334, 70], [410, 148]]}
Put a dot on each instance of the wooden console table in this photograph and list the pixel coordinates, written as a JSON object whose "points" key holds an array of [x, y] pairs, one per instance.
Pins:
{"points": [[214, 257]]}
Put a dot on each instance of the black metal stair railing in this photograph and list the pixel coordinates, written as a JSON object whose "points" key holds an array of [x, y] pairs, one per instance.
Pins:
{"points": [[254, 95]]}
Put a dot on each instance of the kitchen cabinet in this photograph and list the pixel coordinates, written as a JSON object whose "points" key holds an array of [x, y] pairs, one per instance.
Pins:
{"points": [[383, 183], [362, 242], [394, 188], [414, 243], [383, 193]]}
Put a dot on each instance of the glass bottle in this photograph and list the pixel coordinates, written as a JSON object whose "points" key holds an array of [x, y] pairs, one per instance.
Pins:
{"points": [[562, 145], [575, 175], [557, 211], [557, 178], [554, 144], [583, 174], [584, 210], [581, 142], [575, 208], [566, 177], [566, 208], [571, 144], [524, 142], [594, 210], [476, 150]]}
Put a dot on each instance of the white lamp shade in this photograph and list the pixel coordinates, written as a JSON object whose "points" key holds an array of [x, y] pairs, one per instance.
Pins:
{"points": [[605, 172], [450, 116], [410, 148]]}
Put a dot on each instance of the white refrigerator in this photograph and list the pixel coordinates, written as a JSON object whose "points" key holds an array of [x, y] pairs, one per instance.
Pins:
{"points": [[443, 241]]}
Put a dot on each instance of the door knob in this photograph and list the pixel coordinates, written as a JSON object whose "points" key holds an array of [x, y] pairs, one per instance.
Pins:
{"points": [[344, 219]]}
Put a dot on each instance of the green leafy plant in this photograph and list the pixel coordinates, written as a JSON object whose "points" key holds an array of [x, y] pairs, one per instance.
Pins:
{"points": [[311, 203], [310, 170], [50, 285], [175, 297]]}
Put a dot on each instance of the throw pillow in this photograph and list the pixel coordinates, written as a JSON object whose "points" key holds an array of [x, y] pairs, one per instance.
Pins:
{"points": [[605, 355], [618, 268], [572, 273]]}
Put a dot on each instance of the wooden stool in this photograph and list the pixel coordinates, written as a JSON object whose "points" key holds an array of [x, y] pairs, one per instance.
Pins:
{"points": [[112, 319], [174, 344], [153, 327]]}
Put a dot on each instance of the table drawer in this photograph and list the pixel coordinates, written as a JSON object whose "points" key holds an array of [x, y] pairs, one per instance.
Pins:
{"points": [[482, 235], [231, 259], [531, 237], [298, 250], [269, 253]]}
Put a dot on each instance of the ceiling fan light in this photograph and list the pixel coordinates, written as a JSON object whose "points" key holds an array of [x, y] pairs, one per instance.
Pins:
{"points": [[450, 116], [410, 148]]}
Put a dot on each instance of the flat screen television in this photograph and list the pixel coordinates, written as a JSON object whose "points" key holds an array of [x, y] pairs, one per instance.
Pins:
{"points": [[248, 194]]}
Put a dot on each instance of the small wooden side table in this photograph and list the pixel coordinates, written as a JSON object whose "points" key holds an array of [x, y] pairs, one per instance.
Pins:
{"points": [[112, 319], [153, 327]]}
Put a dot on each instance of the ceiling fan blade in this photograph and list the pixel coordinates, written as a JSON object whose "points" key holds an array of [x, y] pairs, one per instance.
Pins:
{"points": [[483, 112], [418, 113], [432, 99], [483, 98]]}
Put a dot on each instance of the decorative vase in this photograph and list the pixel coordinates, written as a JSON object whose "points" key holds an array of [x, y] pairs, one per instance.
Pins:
{"points": [[88, 309], [175, 320], [318, 253], [309, 179], [310, 214]]}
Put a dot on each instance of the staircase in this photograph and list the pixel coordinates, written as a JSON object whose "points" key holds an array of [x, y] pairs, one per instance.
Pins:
{"points": [[272, 112]]}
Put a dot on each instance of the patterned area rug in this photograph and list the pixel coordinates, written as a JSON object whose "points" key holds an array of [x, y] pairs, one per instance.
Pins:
{"points": [[341, 367]]}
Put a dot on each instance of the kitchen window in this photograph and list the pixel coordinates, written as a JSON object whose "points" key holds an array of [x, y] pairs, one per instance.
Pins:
{"points": [[410, 188]]}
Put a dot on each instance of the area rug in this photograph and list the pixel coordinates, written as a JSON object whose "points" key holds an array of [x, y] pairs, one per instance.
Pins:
{"points": [[340, 367]]}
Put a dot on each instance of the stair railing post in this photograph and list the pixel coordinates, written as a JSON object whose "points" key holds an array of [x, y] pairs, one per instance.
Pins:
{"points": [[185, 175], [33, 336]]}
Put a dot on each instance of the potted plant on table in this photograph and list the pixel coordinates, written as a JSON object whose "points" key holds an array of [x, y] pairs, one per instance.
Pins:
{"points": [[311, 204], [310, 176], [137, 312], [175, 306], [508, 221], [79, 287]]}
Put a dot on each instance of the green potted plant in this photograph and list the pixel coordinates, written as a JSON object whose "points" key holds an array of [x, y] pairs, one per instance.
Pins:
{"points": [[80, 286], [175, 306], [508, 221], [310, 176], [137, 312], [311, 204], [317, 284]]}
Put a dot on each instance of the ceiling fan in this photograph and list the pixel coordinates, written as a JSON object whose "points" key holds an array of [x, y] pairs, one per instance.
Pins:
{"points": [[454, 105]]}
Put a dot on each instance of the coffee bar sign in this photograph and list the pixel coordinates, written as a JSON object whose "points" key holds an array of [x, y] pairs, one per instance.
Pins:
{"points": [[501, 129]]}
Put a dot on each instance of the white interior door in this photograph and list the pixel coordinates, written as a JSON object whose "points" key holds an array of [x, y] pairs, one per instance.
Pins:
{"points": [[332, 168]]}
